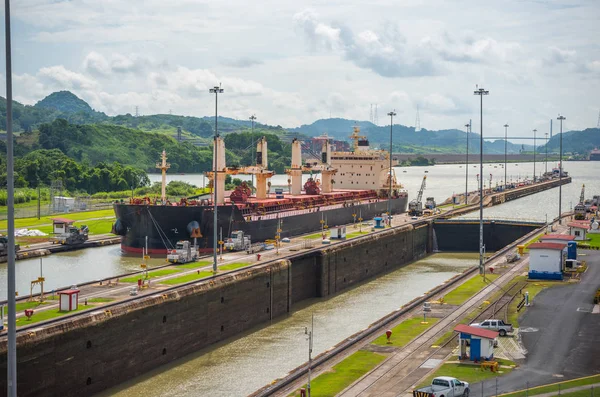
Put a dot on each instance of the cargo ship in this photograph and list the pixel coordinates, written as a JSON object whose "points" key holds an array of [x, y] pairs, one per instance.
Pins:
{"points": [[344, 186]]}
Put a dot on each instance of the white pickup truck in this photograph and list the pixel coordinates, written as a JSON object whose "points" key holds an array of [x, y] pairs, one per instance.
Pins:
{"points": [[495, 325], [443, 386]]}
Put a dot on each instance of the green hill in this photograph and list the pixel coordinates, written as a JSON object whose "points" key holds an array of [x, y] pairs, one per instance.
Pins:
{"points": [[65, 102]]}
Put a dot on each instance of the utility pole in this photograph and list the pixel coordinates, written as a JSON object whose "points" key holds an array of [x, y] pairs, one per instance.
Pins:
{"points": [[505, 151], [215, 90], [391, 114], [252, 118], [11, 354], [546, 160], [467, 126], [560, 171], [534, 150], [481, 92], [310, 349]]}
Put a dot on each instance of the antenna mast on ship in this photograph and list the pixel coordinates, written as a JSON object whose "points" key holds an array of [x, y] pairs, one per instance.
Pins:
{"points": [[163, 166]]}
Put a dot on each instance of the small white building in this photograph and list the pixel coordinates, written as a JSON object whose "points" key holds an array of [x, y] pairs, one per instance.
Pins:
{"points": [[579, 229], [480, 343], [338, 233], [68, 300], [547, 261], [60, 225], [557, 238]]}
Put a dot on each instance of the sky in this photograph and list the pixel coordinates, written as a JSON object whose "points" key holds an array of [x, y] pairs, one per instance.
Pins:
{"points": [[293, 62]]}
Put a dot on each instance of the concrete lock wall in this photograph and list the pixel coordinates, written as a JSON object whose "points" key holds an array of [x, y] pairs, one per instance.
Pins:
{"points": [[98, 350], [464, 237]]}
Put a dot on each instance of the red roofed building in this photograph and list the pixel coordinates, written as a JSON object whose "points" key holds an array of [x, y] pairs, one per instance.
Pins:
{"points": [[557, 238], [579, 229], [480, 342], [60, 225], [547, 261]]}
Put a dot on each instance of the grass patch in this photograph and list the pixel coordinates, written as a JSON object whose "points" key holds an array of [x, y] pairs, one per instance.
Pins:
{"points": [[534, 288], [459, 295], [47, 315], [315, 236], [100, 300], [188, 277], [152, 274], [406, 331], [47, 220], [593, 240], [343, 374], [467, 372], [233, 266], [194, 265], [356, 234], [563, 386], [24, 305]]}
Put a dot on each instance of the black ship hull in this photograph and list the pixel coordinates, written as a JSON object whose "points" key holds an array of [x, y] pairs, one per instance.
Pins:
{"points": [[163, 226]]}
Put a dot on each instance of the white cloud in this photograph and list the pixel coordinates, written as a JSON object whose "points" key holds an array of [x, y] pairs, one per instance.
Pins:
{"points": [[291, 64], [96, 64]]}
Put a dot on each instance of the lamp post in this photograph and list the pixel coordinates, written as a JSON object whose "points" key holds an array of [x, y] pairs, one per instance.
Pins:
{"points": [[252, 118], [467, 126], [560, 172], [481, 92], [391, 114], [215, 90], [11, 353], [534, 150], [310, 348], [546, 159], [505, 151]]}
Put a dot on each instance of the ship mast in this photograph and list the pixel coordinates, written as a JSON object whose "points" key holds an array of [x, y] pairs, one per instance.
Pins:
{"points": [[356, 137], [163, 166]]}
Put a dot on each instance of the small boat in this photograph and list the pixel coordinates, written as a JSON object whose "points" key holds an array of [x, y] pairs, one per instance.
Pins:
{"points": [[426, 171]]}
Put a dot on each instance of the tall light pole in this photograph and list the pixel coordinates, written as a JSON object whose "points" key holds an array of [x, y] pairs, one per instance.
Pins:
{"points": [[252, 118], [481, 92], [560, 172], [546, 160], [11, 356], [391, 114], [310, 349], [215, 90], [467, 126], [505, 151], [534, 150]]}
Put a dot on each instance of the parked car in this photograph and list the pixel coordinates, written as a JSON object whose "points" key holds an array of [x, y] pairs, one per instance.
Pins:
{"points": [[443, 386], [495, 325]]}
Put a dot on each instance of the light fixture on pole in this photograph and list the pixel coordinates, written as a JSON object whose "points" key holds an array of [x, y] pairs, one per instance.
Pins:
{"points": [[534, 150], [310, 349], [391, 114], [467, 126], [546, 160], [11, 354], [481, 92], [560, 171], [505, 151], [215, 90], [252, 118]]}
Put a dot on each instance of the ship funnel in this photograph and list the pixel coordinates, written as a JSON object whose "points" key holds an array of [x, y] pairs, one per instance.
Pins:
{"points": [[296, 154], [261, 153], [219, 165], [326, 152], [296, 170]]}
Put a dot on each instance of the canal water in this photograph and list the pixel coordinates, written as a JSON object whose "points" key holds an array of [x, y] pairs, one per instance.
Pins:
{"points": [[442, 181], [242, 365]]}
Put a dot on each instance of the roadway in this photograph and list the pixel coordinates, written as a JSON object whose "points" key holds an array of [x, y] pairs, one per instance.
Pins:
{"points": [[560, 333]]}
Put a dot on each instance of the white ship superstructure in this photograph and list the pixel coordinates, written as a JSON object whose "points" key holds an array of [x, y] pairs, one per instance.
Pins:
{"points": [[363, 168]]}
